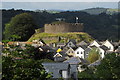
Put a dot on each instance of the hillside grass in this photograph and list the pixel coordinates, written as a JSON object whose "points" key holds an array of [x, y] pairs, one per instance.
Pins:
{"points": [[79, 36]]}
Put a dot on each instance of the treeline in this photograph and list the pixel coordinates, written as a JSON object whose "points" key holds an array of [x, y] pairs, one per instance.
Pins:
{"points": [[101, 27]]}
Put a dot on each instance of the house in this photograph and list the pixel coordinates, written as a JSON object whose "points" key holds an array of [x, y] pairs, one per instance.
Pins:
{"points": [[46, 48], [60, 57], [82, 43], [109, 45], [60, 45], [117, 50], [102, 51], [87, 51], [67, 69], [71, 52], [59, 70], [115, 44], [95, 43], [71, 43], [80, 51], [75, 65]]}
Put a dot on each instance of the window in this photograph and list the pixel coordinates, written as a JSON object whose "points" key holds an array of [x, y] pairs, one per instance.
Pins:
{"points": [[81, 52], [77, 52]]}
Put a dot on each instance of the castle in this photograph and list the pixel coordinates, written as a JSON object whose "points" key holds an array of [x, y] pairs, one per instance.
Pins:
{"points": [[63, 27]]}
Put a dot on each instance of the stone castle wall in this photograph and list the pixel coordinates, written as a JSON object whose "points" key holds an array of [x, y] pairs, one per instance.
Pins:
{"points": [[63, 28]]}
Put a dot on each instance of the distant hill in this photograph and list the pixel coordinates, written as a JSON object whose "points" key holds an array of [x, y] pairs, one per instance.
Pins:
{"points": [[49, 11], [95, 25], [96, 11]]}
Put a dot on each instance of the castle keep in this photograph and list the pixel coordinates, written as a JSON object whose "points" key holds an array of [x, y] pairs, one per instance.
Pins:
{"points": [[63, 27]]}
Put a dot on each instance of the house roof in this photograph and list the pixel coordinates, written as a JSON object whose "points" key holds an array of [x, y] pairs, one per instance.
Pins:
{"points": [[107, 41], [45, 48], [74, 48], [59, 59], [73, 41], [115, 44], [82, 43], [74, 60], [42, 41], [60, 44], [57, 65], [96, 41], [104, 47], [87, 50], [84, 46], [93, 46]]}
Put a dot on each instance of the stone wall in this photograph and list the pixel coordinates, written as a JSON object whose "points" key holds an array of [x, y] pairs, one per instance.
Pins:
{"points": [[63, 28]]}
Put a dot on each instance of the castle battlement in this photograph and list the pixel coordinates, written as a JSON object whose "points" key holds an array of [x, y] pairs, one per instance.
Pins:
{"points": [[64, 24], [63, 27]]}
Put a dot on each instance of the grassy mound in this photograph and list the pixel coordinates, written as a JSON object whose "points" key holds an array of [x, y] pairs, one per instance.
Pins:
{"points": [[61, 37]]}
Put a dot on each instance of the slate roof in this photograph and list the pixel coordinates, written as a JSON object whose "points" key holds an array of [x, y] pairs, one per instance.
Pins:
{"points": [[59, 59], [56, 65], [74, 60], [60, 44], [72, 40], [82, 43], [93, 46], [104, 47], [74, 43], [84, 46], [115, 44], [74, 48], [45, 47], [87, 50]]}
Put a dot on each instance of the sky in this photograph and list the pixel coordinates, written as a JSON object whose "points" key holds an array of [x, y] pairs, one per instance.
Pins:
{"points": [[60, 0], [58, 5]]}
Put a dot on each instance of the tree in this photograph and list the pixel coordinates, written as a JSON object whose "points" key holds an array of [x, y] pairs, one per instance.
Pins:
{"points": [[93, 55], [88, 73], [109, 67], [25, 69], [21, 27]]}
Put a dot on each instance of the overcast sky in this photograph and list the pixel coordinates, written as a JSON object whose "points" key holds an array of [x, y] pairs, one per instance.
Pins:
{"points": [[57, 5]]}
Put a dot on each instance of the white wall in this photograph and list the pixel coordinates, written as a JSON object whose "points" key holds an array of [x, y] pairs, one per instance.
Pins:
{"points": [[109, 45], [94, 43], [79, 52]]}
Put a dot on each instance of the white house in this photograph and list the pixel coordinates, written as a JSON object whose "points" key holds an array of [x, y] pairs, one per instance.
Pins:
{"points": [[101, 52], [95, 43], [80, 52], [109, 45]]}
